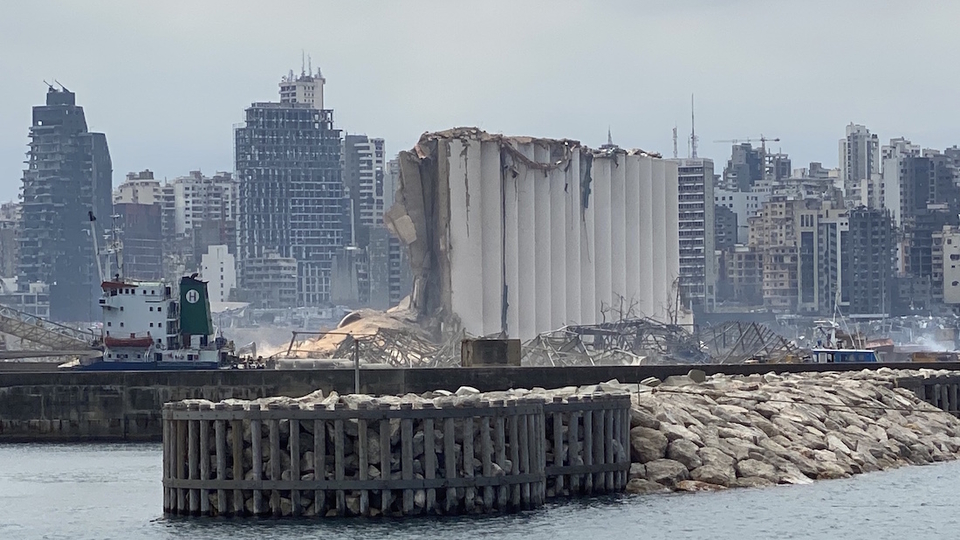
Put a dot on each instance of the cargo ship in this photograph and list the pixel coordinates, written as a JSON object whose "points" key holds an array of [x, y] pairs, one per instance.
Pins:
{"points": [[148, 325]]}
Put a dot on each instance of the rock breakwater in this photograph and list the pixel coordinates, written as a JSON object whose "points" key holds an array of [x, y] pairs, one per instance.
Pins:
{"points": [[694, 433]]}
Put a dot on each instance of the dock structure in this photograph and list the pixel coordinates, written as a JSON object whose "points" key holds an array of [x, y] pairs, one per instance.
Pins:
{"points": [[452, 456], [940, 389]]}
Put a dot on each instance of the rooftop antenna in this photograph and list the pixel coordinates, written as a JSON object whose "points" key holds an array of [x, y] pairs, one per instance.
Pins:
{"points": [[693, 131], [674, 141], [609, 137], [309, 65], [49, 86], [301, 63]]}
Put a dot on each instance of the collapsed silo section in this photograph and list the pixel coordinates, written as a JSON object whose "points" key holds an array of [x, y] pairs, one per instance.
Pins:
{"points": [[522, 235]]}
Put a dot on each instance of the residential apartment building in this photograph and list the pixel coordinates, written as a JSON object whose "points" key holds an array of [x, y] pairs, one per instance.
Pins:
{"points": [[697, 224], [68, 175], [218, 268], [868, 262], [742, 279], [860, 166]]}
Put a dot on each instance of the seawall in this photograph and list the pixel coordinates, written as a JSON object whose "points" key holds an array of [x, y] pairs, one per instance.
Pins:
{"points": [[86, 406]]}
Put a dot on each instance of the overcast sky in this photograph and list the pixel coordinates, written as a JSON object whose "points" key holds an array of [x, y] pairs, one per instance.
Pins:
{"points": [[167, 81]]}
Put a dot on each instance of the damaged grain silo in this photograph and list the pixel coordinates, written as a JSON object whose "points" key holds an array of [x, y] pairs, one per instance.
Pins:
{"points": [[519, 235]]}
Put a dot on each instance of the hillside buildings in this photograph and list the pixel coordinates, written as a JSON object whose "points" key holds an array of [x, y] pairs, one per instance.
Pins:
{"points": [[68, 175]]}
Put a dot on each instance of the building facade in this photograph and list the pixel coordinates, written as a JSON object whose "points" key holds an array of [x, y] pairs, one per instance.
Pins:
{"points": [[218, 268], [68, 176], [697, 232], [859, 165], [291, 198]]}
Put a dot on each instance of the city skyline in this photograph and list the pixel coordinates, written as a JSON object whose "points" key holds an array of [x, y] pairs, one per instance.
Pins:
{"points": [[395, 71]]}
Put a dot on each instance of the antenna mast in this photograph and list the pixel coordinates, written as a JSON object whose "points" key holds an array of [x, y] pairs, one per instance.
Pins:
{"points": [[693, 131], [674, 142]]}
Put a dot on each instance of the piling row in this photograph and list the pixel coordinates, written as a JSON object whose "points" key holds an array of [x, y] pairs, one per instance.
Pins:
{"points": [[376, 459], [587, 445], [942, 391]]}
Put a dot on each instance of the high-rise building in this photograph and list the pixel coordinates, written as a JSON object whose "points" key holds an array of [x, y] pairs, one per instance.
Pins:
{"points": [[141, 232], [307, 88], [364, 175], [725, 227], [68, 175], [868, 262], [744, 168], [859, 165], [137, 204], [139, 188], [697, 230], [199, 212], [291, 199]]}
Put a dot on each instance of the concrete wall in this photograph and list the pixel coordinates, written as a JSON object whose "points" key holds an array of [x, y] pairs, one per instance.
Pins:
{"points": [[126, 405]]}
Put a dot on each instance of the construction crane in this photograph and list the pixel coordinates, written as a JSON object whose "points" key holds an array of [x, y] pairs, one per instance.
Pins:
{"points": [[761, 139]]}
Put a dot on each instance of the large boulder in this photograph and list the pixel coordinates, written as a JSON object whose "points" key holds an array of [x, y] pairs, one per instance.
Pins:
{"points": [[647, 444], [639, 486], [721, 475], [694, 486], [637, 470], [640, 417], [685, 452], [666, 471], [752, 482], [756, 468], [715, 456]]}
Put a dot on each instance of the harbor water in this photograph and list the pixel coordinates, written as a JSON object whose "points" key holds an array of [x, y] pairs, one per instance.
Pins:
{"points": [[112, 491]]}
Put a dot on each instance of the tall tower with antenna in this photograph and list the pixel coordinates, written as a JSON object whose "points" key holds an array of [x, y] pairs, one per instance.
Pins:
{"points": [[307, 88]]}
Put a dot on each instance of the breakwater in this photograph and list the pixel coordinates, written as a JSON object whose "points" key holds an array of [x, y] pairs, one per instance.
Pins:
{"points": [[86, 406], [361, 456], [695, 433]]}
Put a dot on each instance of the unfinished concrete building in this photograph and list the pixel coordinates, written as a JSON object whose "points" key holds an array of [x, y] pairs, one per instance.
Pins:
{"points": [[291, 194], [520, 236], [69, 173]]}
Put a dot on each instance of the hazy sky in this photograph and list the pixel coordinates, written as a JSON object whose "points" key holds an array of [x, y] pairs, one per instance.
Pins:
{"points": [[166, 81]]}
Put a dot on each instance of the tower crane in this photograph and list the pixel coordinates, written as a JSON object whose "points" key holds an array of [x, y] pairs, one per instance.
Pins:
{"points": [[763, 141]]}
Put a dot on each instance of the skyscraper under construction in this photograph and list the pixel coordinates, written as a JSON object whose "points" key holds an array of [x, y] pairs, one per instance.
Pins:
{"points": [[68, 175]]}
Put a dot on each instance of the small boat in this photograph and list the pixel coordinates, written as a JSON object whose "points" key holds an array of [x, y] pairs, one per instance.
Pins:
{"points": [[843, 356]]}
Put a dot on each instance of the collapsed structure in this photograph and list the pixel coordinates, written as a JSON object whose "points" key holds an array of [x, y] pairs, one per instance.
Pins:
{"points": [[518, 236]]}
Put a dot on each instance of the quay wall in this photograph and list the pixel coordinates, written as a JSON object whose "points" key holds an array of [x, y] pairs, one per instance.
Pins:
{"points": [[88, 406]]}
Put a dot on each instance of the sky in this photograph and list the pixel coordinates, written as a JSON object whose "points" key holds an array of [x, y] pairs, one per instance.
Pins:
{"points": [[167, 81]]}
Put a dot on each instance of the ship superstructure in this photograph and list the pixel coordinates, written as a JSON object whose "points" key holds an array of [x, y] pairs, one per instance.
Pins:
{"points": [[153, 325]]}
